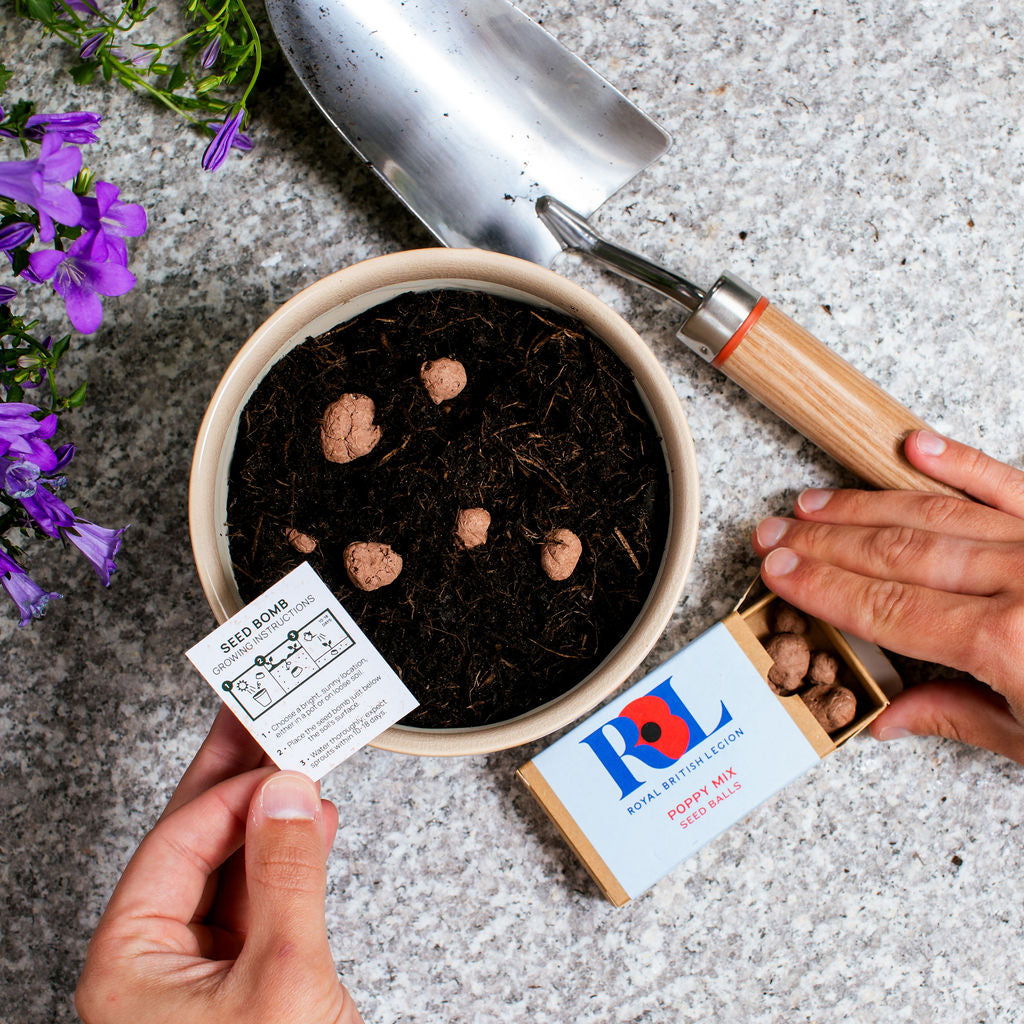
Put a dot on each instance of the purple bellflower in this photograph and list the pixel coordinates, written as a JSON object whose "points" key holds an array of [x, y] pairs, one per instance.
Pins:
{"points": [[37, 183], [30, 598], [91, 45], [210, 53], [81, 275], [99, 544], [47, 511], [15, 234], [22, 436], [7, 293], [113, 220], [227, 135], [76, 126]]}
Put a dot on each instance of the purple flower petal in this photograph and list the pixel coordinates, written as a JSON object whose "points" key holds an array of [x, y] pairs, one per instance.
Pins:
{"points": [[220, 145], [76, 126], [110, 279], [108, 213], [91, 45], [15, 234], [37, 183], [65, 453], [29, 597], [98, 544], [44, 262], [6, 294], [85, 311], [210, 54], [47, 511]]}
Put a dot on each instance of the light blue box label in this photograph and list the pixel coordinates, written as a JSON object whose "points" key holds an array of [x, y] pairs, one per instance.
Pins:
{"points": [[682, 755]]}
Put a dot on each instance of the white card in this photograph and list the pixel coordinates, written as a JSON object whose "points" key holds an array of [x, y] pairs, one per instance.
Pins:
{"points": [[301, 676]]}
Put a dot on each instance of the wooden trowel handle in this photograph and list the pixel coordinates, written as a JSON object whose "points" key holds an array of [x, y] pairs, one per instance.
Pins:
{"points": [[811, 388]]}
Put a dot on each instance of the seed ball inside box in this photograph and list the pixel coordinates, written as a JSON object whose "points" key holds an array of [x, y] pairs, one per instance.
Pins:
{"points": [[548, 433]]}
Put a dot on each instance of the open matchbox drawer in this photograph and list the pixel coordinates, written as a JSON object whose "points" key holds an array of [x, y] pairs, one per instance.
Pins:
{"points": [[693, 747]]}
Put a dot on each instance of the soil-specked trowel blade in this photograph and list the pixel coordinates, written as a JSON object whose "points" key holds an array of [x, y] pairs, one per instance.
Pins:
{"points": [[469, 112]]}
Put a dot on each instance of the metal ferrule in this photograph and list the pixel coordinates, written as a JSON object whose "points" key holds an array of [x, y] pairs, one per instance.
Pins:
{"points": [[713, 323]]}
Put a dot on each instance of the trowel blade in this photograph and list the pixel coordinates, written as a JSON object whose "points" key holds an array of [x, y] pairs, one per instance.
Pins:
{"points": [[469, 112]]}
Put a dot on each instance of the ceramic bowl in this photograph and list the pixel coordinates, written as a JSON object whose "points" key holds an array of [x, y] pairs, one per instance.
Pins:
{"points": [[355, 289]]}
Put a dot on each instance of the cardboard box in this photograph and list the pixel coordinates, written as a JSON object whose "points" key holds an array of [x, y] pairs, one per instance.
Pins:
{"points": [[691, 748]]}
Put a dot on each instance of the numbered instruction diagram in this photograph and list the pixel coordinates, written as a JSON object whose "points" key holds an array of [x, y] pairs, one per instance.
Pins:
{"points": [[272, 676], [301, 676]]}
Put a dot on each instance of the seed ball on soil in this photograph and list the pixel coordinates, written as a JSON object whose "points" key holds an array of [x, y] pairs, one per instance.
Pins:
{"points": [[833, 706], [347, 430], [791, 655], [302, 542], [471, 526], [561, 551], [371, 565], [443, 378], [788, 619], [824, 668]]}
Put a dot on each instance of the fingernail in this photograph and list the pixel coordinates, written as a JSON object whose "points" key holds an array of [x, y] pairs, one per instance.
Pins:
{"points": [[893, 732], [929, 443], [770, 531], [289, 796], [813, 500], [780, 562]]}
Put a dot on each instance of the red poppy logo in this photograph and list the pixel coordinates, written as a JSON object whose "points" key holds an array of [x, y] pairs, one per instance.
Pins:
{"points": [[658, 727]]}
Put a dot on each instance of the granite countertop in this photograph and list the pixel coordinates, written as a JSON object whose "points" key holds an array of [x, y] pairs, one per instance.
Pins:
{"points": [[861, 164]]}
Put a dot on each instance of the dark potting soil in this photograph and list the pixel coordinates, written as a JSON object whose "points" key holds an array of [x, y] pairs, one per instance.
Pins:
{"points": [[549, 432]]}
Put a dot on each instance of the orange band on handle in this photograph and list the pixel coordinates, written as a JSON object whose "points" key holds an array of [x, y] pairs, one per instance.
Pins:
{"points": [[741, 333]]}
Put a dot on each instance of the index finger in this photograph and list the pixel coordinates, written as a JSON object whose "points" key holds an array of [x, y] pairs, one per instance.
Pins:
{"points": [[968, 469], [228, 750]]}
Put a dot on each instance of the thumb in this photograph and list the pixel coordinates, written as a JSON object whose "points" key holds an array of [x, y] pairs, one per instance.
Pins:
{"points": [[286, 872], [964, 711]]}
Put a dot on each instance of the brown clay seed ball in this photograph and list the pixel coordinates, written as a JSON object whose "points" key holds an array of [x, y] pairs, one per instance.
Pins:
{"points": [[791, 655], [443, 378], [302, 542], [371, 565], [824, 668], [561, 552], [833, 706], [347, 430], [788, 619], [471, 526]]}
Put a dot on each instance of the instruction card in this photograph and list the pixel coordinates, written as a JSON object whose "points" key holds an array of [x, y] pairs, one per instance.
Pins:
{"points": [[301, 676]]}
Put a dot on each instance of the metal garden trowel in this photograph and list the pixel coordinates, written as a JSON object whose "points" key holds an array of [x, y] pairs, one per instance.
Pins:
{"points": [[499, 138]]}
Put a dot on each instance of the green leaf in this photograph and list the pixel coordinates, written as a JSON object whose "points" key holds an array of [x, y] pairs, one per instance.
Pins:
{"points": [[83, 74], [178, 78], [108, 67], [61, 347], [15, 393], [41, 10], [5, 76], [19, 260], [77, 397], [160, 69]]}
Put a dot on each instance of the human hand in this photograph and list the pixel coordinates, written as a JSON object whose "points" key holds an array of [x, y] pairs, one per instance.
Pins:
{"points": [[219, 915], [929, 577]]}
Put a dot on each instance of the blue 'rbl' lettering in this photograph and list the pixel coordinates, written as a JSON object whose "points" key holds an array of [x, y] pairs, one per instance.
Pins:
{"points": [[656, 729]]}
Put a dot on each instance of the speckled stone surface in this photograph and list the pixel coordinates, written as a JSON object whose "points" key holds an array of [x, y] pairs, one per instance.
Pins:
{"points": [[862, 163]]}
